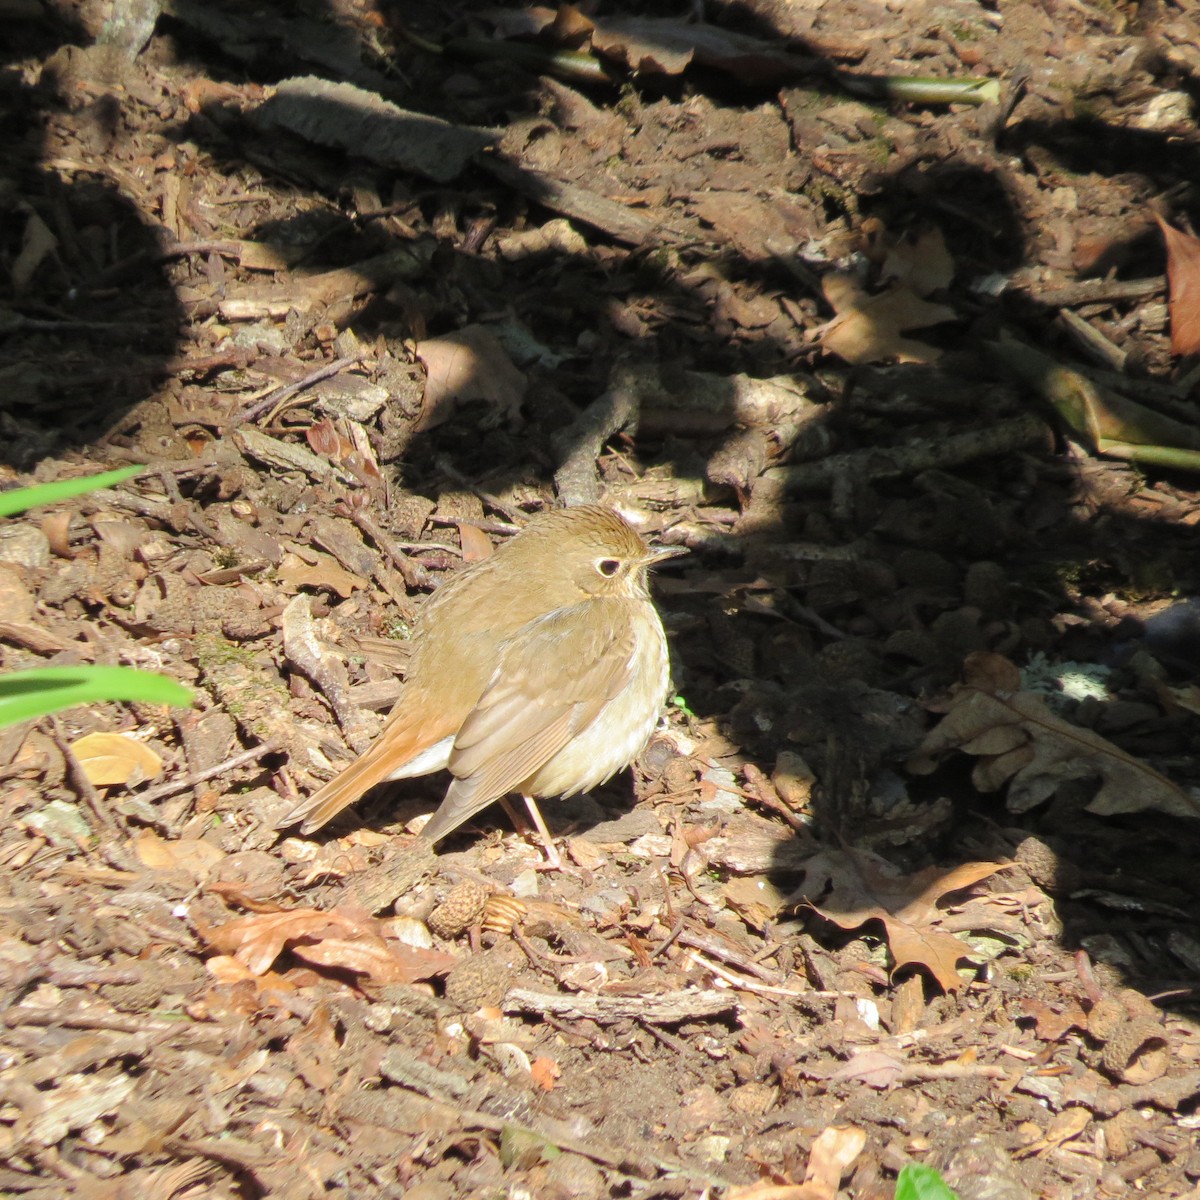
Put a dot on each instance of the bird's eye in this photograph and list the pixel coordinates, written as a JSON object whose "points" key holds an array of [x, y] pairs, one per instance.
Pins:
{"points": [[608, 567]]}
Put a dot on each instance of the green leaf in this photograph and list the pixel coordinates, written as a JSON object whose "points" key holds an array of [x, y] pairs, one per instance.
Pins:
{"points": [[27, 695], [922, 1183], [51, 493]]}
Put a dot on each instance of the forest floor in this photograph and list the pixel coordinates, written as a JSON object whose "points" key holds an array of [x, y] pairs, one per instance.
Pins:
{"points": [[908, 872]]}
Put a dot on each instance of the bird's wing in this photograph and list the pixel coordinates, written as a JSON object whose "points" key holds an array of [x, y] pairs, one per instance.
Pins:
{"points": [[552, 681]]}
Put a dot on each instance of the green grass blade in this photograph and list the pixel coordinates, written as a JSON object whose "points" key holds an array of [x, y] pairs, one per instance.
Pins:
{"points": [[27, 695], [20, 499]]}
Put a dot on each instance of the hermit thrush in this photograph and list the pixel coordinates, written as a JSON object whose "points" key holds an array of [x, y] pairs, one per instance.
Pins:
{"points": [[540, 670]]}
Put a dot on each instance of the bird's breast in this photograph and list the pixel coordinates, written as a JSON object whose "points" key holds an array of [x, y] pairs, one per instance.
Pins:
{"points": [[622, 728]]}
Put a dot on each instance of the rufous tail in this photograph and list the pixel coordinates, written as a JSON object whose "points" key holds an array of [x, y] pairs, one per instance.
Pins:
{"points": [[384, 760]]}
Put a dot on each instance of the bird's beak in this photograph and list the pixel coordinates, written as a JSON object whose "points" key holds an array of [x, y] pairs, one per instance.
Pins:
{"points": [[662, 553]]}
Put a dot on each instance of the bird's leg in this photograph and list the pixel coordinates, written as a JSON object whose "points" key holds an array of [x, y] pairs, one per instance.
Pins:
{"points": [[553, 862]]}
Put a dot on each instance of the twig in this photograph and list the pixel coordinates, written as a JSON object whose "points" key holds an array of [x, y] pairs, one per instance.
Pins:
{"points": [[109, 834], [190, 780], [515, 515], [668, 1007], [285, 393], [710, 945], [303, 651], [413, 574], [746, 985], [486, 525], [579, 445], [890, 462]]}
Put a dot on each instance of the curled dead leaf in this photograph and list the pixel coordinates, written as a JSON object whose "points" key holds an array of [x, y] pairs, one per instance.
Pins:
{"points": [[1021, 743], [1183, 274], [112, 759], [470, 364], [341, 939], [857, 887]]}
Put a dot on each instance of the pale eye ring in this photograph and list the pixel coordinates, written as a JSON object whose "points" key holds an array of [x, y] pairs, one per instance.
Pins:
{"points": [[608, 567]]}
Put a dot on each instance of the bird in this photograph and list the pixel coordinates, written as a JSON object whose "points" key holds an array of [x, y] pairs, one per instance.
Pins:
{"points": [[542, 670]]}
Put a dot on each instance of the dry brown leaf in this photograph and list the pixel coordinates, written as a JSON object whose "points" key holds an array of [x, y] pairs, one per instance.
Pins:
{"points": [[1021, 743], [754, 898], [382, 961], [339, 938], [868, 328], [56, 527], [294, 573], [468, 365], [354, 452], [315, 1050], [1065, 1127], [476, 545], [323, 438], [193, 855], [228, 971], [857, 887], [1051, 1025], [923, 264], [110, 759], [1183, 273], [833, 1153], [873, 1068]]}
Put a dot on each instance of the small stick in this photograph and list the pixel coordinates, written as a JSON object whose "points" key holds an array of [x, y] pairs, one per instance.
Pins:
{"points": [[108, 833], [285, 393], [191, 780]]}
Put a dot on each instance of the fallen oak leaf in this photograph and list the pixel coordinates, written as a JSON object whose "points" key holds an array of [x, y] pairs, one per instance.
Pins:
{"points": [[545, 1072], [869, 328], [381, 961], [857, 887], [257, 940], [340, 938], [1020, 742], [323, 572]]}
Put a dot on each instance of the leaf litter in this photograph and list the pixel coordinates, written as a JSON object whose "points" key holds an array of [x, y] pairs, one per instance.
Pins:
{"points": [[348, 385]]}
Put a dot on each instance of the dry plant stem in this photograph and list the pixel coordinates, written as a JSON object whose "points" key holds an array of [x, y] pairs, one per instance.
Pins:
{"points": [[114, 1022], [1097, 291], [196, 777], [303, 651], [668, 1008], [710, 945], [413, 574], [934, 1071], [570, 200], [1003, 437], [447, 468], [194, 516], [1091, 341], [762, 790], [109, 835], [488, 526], [759, 988], [580, 444], [285, 393]]}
